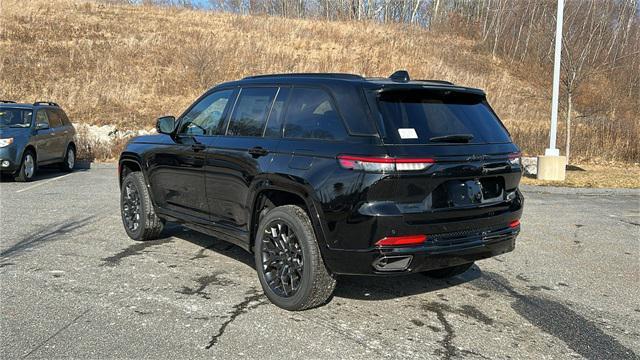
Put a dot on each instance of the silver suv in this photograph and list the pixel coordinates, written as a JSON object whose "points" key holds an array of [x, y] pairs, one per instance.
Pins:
{"points": [[32, 135]]}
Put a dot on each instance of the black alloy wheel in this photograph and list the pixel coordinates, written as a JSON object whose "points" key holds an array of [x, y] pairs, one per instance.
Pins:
{"points": [[131, 207], [288, 260], [138, 214], [282, 259]]}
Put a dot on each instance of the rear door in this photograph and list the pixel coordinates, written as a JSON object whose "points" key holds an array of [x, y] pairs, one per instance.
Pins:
{"points": [[67, 131], [44, 139], [476, 166], [58, 137], [239, 154]]}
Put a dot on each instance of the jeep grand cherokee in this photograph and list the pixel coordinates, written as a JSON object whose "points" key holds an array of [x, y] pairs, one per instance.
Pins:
{"points": [[326, 174]]}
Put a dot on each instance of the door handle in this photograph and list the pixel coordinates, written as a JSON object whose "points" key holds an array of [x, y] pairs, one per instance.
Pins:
{"points": [[198, 147], [52, 134], [258, 151]]}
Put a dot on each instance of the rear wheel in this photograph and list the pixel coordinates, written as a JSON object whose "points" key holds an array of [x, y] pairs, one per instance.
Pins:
{"points": [[27, 167], [288, 260], [448, 272], [138, 215], [69, 161]]}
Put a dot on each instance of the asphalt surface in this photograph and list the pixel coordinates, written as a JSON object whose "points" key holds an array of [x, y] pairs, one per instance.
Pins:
{"points": [[73, 285]]}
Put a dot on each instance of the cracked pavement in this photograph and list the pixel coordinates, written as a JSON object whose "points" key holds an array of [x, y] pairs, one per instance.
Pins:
{"points": [[73, 285]]}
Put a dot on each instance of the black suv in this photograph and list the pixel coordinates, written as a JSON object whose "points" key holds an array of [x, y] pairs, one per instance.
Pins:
{"points": [[326, 174]]}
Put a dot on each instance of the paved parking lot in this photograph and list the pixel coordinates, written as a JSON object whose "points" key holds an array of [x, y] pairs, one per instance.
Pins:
{"points": [[72, 284]]}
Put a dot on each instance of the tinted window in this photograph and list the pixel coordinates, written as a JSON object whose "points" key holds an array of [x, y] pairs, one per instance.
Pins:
{"points": [[311, 115], [54, 119], [274, 124], [418, 117], [251, 111], [205, 118], [42, 118], [15, 117], [63, 117]]}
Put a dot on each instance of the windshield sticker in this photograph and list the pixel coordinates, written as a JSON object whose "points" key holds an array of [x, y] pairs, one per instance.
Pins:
{"points": [[407, 133]]}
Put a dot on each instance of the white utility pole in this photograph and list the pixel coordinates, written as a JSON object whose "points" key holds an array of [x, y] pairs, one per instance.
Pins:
{"points": [[553, 150]]}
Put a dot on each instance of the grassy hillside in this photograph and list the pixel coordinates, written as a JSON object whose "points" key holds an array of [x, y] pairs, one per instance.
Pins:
{"points": [[126, 65]]}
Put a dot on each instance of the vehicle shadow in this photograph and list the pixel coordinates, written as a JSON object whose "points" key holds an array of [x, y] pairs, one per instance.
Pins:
{"points": [[45, 173], [368, 288], [209, 243], [374, 288]]}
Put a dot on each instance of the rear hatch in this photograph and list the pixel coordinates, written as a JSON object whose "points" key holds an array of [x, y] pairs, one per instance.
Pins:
{"points": [[475, 168]]}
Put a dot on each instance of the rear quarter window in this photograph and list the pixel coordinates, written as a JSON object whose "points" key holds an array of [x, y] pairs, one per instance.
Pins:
{"points": [[311, 114], [423, 116], [54, 119], [63, 117]]}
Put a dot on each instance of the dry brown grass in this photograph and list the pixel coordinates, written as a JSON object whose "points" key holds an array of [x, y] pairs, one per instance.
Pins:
{"points": [[597, 176], [92, 149], [126, 65]]}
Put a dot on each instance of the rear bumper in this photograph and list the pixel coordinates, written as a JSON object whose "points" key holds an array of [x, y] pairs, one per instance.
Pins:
{"points": [[434, 254], [451, 241]]}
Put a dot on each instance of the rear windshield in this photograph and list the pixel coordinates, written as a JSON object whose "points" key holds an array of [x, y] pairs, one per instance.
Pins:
{"points": [[437, 116]]}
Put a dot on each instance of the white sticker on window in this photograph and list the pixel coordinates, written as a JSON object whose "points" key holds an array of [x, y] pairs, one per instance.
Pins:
{"points": [[407, 133]]}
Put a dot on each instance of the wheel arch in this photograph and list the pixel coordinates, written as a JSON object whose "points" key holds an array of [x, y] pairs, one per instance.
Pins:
{"points": [[269, 194], [32, 148], [128, 163]]}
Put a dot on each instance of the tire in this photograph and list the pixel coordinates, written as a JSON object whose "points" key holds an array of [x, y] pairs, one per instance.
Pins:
{"points": [[448, 272], [28, 167], [69, 161], [138, 215], [315, 284]]}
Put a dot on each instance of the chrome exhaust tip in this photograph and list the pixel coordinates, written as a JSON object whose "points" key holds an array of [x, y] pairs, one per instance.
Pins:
{"points": [[392, 263]]}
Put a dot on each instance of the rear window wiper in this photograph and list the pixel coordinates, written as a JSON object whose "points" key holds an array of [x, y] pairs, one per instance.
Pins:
{"points": [[458, 138]]}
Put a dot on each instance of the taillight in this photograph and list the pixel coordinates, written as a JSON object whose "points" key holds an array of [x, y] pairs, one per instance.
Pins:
{"points": [[384, 164], [515, 159], [514, 224], [402, 240]]}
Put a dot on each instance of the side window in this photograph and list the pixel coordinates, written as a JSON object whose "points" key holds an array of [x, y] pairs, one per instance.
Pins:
{"points": [[63, 117], [276, 117], [54, 119], [251, 111], [205, 118], [42, 118], [311, 115]]}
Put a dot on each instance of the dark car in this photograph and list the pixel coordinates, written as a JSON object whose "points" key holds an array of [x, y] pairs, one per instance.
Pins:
{"points": [[32, 135], [320, 175]]}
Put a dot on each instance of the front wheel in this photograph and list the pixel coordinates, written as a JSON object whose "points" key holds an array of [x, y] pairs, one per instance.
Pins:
{"points": [[288, 260], [138, 215], [27, 167], [448, 272]]}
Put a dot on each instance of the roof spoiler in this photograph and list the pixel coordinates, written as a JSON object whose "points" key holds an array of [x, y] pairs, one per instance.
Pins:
{"points": [[400, 76], [7, 102]]}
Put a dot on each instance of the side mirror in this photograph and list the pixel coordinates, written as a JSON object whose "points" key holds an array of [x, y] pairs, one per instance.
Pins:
{"points": [[42, 126], [166, 124]]}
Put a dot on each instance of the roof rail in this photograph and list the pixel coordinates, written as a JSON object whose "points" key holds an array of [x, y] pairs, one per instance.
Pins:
{"points": [[50, 103], [438, 81], [318, 75], [7, 102]]}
